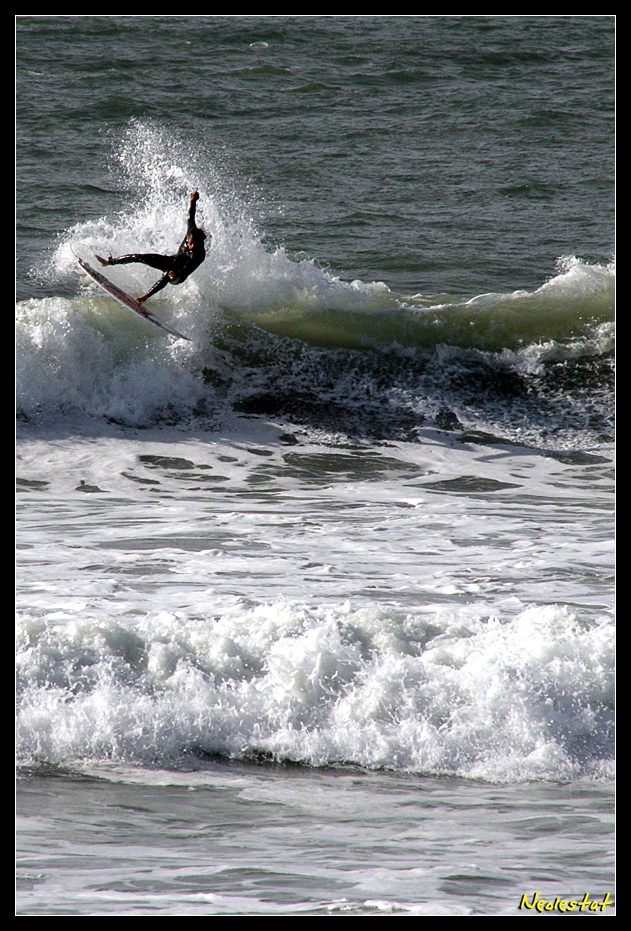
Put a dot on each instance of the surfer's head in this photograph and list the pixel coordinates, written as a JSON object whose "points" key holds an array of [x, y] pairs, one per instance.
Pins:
{"points": [[196, 237]]}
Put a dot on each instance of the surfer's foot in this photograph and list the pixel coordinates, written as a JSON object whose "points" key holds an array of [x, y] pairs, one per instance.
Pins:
{"points": [[103, 261]]}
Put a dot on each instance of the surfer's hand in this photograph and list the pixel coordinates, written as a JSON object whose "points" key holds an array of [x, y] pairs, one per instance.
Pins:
{"points": [[195, 195]]}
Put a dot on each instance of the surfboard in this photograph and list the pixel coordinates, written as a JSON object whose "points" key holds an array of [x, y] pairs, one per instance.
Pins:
{"points": [[119, 295]]}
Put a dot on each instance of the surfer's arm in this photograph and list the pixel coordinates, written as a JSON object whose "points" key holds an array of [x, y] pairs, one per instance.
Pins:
{"points": [[191, 225], [191, 213]]}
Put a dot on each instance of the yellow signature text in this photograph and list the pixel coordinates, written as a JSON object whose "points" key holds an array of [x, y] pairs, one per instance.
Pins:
{"points": [[586, 904]]}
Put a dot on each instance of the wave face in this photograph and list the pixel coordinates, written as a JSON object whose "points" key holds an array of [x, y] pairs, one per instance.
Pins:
{"points": [[274, 333]]}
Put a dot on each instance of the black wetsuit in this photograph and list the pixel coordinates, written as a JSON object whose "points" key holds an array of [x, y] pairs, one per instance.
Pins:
{"points": [[176, 267]]}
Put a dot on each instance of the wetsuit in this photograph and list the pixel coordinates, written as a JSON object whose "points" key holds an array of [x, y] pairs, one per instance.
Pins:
{"points": [[176, 267]]}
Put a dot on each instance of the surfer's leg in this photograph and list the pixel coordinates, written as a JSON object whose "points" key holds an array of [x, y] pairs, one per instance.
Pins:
{"points": [[158, 286], [162, 262]]}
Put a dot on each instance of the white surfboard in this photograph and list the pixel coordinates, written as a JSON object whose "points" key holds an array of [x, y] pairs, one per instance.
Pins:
{"points": [[119, 295]]}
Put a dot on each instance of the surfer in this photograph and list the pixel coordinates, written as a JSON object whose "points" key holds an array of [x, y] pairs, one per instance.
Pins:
{"points": [[176, 267]]}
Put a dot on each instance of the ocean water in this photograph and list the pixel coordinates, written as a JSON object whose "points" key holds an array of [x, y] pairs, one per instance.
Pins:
{"points": [[315, 610]]}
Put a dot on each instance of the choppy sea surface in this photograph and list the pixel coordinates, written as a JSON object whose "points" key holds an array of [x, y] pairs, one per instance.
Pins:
{"points": [[315, 609]]}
